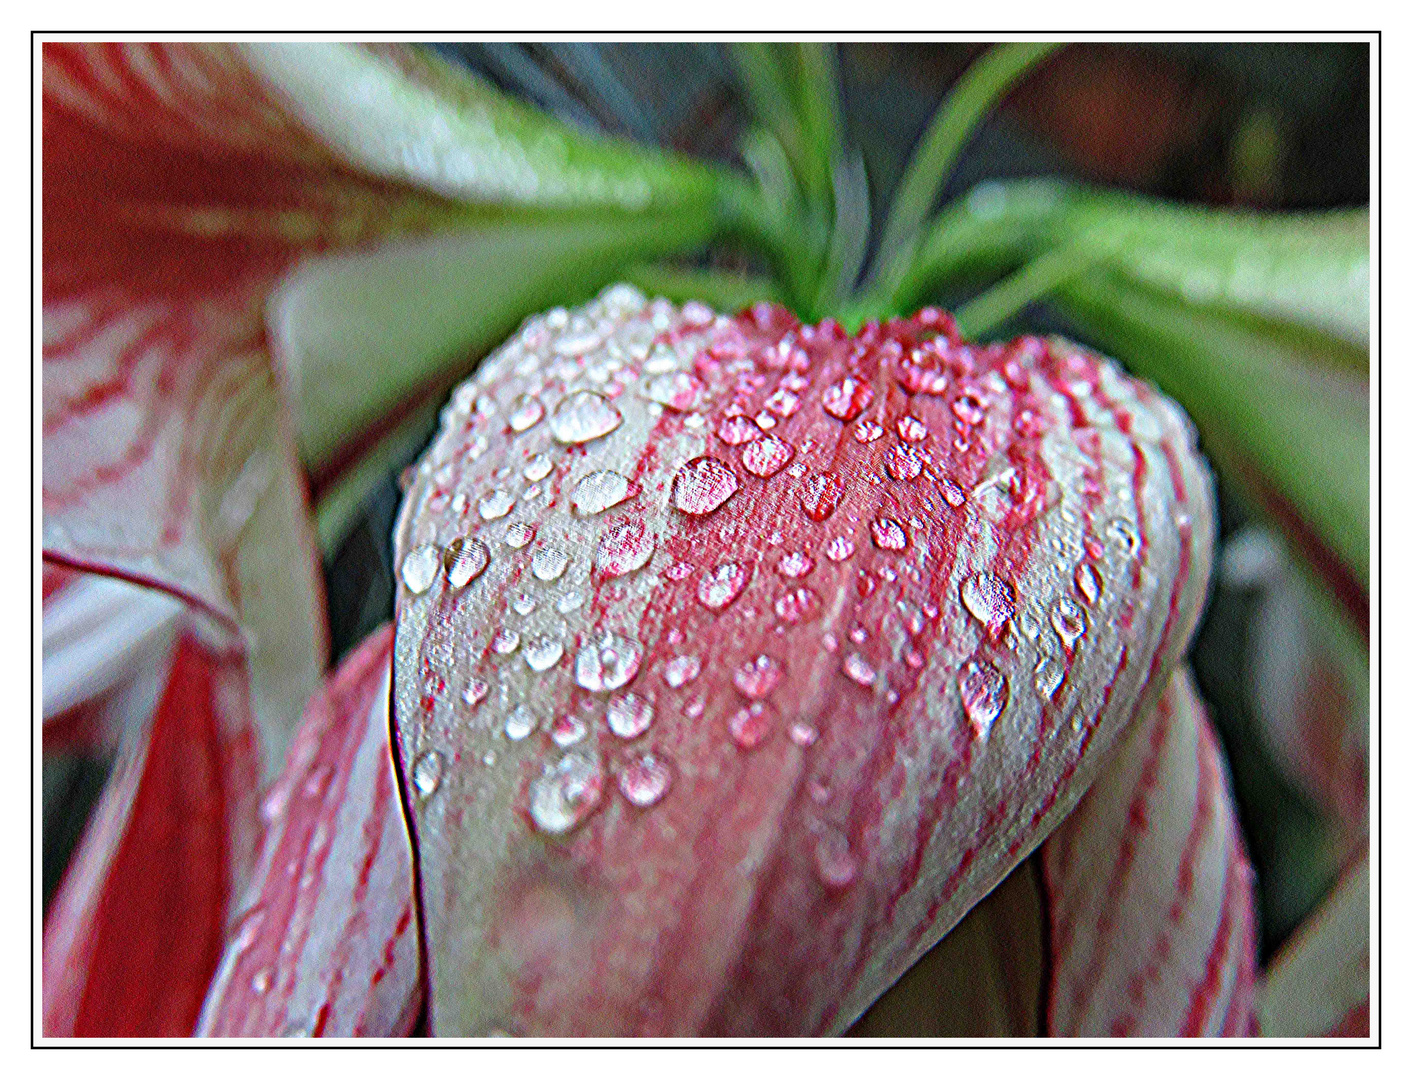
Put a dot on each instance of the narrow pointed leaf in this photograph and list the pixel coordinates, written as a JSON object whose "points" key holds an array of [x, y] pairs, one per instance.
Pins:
{"points": [[326, 943], [1152, 921], [882, 606]]}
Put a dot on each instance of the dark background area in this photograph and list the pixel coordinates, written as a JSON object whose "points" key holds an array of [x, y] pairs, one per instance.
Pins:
{"points": [[1268, 125]]}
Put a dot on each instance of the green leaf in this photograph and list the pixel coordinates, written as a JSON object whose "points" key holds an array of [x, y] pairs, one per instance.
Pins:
{"points": [[726, 292], [951, 126], [1272, 418], [1035, 280]]}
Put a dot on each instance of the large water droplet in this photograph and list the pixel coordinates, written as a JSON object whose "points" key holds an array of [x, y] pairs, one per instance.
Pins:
{"points": [[794, 564], [426, 772], [495, 504], [922, 373], [543, 653], [566, 792], [570, 601], [419, 568], [519, 534], [549, 563], [989, 599], [600, 490], [679, 390], [702, 485], [525, 411], [888, 534], [903, 463], [859, 670], [1088, 583], [538, 467], [644, 780], [567, 730], [520, 723], [734, 430], [1068, 620], [609, 662], [833, 859], [983, 694], [846, 398], [911, 429], [758, 678], [767, 456], [796, 606], [629, 715], [751, 725], [718, 588], [583, 416], [821, 494], [681, 670], [624, 548], [465, 559]]}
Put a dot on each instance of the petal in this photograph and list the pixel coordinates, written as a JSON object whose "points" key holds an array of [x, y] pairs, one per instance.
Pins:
{"points": [[1318, 983], [134, 933], [327, 943], [1152, 925], [846, 748]]}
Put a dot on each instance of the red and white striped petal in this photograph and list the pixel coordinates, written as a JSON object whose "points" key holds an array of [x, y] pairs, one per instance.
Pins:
{"points": [[134, 933], [890, 600], [327, 944], [1319, 983], [1152, 921]]}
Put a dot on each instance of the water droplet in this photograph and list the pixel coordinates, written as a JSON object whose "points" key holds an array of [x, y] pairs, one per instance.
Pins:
{"points": [[465, 559], [566, 792], [475, 692], [1088, 583], [802, 734], [888, 534], [681, 670], [751, 725], [607, 663], [567, 730], [583, 416], [543, 653], [839, 549], [260, 981], [833, 859], [524, 604], [1122, 532], [678, 390], [968, 409], [866, 431], [495, 504], [629, 715], [419, 568], [520, 723], [989, 599], [702, 485], [426, 772], [525, 411], [719, 588], [538, 467], [921, 373], [795, 564], [796, 606], [1048, 674], [570, 601], [952, 493], [846, 398], [821, 495], [911, 429], [1068, 620], [549, 563], [734, 430], [519, 534], [758, 678], [983, 695], [903, 463], [505, 641], [859, 670], [767, 456], [600, 490], [644, 779], [624, 548]]}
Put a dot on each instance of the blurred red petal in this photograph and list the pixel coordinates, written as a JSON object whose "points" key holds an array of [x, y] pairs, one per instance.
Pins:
{"points": [[135, 931], [1150, 891], [830, 780], [327, 944]]}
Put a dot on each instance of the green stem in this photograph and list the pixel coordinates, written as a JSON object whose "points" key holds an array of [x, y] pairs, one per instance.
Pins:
{"points": [[958, 116], [1035, 280]]}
